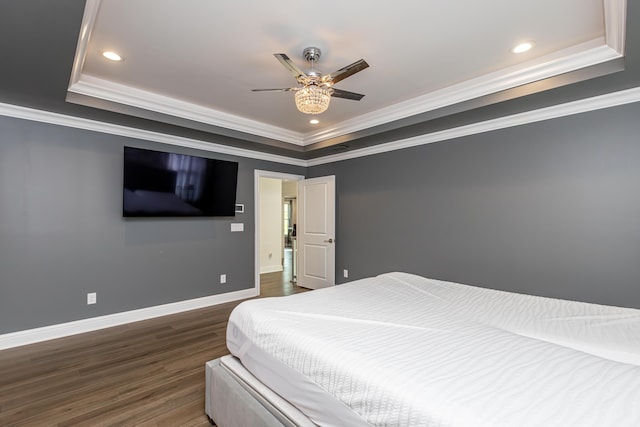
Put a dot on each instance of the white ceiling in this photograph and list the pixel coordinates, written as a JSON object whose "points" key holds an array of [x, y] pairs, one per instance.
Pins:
{"points": [[199, 59]]}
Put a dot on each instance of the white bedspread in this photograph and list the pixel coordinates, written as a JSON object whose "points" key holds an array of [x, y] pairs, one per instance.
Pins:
{"points": [[402, 350]]}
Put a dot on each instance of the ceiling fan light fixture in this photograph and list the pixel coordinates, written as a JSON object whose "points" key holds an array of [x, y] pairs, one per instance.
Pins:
{"points": [[313, 99]]}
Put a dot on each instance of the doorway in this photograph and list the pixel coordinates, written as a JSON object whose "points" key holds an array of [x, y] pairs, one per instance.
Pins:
{"points": [[275, 217]]}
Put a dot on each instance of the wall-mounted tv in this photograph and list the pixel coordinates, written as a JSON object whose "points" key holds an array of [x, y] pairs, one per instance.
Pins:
{"points": [[159, 184]]}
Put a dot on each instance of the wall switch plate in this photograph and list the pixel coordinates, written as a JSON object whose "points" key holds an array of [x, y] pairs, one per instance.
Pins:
{"points": [[91, 298], [223, 278], [237, 226], [345, 273]]}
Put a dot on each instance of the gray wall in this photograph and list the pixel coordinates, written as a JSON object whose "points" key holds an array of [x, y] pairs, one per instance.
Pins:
{"points": [[550, 208], [62, 234]]}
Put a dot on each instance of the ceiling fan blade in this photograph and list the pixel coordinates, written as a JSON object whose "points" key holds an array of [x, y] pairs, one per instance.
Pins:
{"points": [[287, 89], [337, 93], [347, 71], [289, 65]]}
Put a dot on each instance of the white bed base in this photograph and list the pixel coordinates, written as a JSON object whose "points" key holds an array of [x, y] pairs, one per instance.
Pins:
{"points": [[235, 398]]}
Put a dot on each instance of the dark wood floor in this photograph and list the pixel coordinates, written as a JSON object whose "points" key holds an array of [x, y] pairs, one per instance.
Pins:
{"points": [[148, 373]]}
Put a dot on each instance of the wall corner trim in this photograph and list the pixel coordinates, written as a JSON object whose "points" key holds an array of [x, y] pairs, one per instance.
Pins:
{"points": [[45, 333]]}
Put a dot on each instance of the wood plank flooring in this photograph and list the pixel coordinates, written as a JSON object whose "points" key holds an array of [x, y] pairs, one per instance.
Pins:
{"points": [[148, 373]]}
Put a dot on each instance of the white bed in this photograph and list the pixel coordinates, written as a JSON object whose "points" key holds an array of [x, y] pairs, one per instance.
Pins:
{"points": [[403, 350]]}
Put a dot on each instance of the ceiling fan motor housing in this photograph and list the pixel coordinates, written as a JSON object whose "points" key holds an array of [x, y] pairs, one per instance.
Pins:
{"points": [[311, 54]]}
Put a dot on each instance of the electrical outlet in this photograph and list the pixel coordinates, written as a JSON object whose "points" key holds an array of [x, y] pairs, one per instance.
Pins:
{"points": [[345, 273], [223, 278], [91, 298]]}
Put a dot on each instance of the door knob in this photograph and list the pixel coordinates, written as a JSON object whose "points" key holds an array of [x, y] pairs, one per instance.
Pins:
{"points": [[329, 241]]}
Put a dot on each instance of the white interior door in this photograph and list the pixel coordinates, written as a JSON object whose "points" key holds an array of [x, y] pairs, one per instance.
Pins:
{"points": [[316, 232]]}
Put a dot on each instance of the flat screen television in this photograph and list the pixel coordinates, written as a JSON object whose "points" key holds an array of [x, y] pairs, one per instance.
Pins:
{"points": [[159, 184]]}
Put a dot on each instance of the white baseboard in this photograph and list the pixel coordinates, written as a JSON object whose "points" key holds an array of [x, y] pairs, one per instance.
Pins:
{"points": [[270, 269], [30, 336]]}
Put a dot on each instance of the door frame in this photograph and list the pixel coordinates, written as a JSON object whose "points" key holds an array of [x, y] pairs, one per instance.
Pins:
{"points": [[257, 174]]}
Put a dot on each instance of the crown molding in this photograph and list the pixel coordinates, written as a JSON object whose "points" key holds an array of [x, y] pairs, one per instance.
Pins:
{"points": [[42, 116], [95, 87], [567, 60], [584, 55], [128, 95], [570, 108], [571, 59], [88, 21], [575, 107], [615, 18]]}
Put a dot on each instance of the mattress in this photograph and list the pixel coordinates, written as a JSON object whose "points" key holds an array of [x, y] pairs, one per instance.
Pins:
{"points": [[403, 350]]}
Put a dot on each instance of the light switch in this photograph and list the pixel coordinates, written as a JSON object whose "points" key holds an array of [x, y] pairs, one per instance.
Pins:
{"points": [[237, 226]]}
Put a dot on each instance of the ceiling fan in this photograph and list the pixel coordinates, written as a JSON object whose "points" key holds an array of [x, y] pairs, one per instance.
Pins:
{"points": [[316, 89]]}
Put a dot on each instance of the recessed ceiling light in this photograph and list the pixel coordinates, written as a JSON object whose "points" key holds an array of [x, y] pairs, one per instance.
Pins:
{"points": [[314, 121], [523, 47], [112, 56]]}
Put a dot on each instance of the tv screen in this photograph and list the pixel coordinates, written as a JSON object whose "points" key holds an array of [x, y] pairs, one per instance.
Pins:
{"points": [[159, 184]]}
